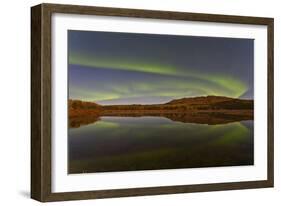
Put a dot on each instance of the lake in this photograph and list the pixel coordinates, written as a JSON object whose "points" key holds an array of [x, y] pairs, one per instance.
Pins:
{"points": [[147, 143]]}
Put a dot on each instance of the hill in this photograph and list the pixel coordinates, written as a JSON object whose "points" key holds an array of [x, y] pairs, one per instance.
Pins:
{"points": [[213, 102]]}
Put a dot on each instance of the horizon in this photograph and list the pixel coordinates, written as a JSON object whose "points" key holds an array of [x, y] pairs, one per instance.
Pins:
{"points": [[161, 103], [111, 68]]}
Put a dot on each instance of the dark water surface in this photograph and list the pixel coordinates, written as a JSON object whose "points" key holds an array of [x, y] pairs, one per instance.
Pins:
{"points": [[147, 143]]}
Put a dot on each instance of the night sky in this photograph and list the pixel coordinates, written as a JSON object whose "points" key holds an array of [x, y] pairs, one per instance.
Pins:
{"points": [[127, 68]]}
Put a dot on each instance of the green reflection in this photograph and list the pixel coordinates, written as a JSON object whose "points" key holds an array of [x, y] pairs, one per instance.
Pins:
{"points": [[140, 143]]}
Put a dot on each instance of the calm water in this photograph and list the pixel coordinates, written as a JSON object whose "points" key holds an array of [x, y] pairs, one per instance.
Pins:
{"points": [[145, 143]]}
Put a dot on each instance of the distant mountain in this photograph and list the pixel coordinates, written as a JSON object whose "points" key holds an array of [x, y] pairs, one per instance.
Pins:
{"points": [[213, 102], [201, 100], [78, 104]]}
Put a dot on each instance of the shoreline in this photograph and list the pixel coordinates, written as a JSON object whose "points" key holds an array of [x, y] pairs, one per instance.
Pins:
{"points": [[210, 117], [201, 110]]}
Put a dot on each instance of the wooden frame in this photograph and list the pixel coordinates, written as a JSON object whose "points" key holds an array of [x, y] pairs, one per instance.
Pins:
{"points": [[41, 102]]}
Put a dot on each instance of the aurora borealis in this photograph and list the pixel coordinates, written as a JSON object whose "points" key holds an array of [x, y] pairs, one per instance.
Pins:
{"points": [[127, 68]]}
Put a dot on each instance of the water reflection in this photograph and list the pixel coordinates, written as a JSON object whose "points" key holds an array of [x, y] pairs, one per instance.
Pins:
{"points": [[147, 143], [200, 117]]}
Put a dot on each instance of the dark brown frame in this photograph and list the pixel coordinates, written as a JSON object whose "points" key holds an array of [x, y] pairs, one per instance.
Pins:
{"points": [[41, 101]]}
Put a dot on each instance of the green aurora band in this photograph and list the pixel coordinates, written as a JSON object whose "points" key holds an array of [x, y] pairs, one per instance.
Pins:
{"points": [[206, 84]]}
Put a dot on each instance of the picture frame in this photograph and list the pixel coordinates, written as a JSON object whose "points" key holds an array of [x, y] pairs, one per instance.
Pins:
{"points": [[42, 86]]}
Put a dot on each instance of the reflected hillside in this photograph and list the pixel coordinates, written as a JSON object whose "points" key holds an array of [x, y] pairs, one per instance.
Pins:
{"points": [[206, 117], [209, 110]]}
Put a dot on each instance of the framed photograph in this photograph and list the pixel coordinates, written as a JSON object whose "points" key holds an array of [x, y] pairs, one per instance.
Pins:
{"points": [[132, 102]]}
